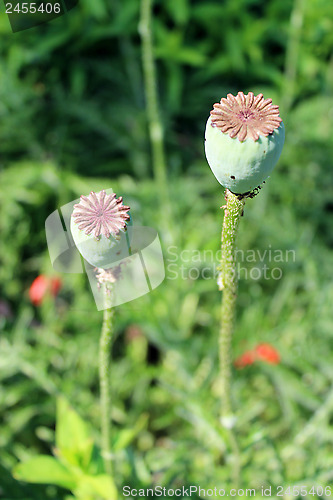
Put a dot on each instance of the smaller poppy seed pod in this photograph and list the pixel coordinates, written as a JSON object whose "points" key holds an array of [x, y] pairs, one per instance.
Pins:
{"points": [[243, 141], [98, 226]]}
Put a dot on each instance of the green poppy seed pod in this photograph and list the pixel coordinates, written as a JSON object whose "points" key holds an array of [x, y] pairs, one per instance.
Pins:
{"points": [[98, 226], [243, 141]]}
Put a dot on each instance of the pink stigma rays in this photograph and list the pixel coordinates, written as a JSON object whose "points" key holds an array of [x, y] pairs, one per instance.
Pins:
{"points": [[101, 214], [245, 116]]}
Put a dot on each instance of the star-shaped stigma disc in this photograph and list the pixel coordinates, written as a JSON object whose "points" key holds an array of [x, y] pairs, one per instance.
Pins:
{"points": [[101, 214], [245, 116]]}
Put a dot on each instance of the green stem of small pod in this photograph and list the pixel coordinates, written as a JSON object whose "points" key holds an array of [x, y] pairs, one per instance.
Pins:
{"points": [[228, 284], [105, 345]]}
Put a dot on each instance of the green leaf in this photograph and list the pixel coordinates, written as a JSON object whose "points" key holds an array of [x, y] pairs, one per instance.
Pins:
{"points": [[44, 469], [73, 440], [101, 485], [71, 430], [179, 10], [126, 436]]}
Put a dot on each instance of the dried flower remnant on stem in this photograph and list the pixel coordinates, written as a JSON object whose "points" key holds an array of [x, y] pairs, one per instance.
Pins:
{"points": [[101, 214], [246, 116], [108, 276]]}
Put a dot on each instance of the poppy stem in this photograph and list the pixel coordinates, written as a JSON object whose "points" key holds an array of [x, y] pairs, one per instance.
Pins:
{"points": [[105, 345], [228, 283], [150, 86]]}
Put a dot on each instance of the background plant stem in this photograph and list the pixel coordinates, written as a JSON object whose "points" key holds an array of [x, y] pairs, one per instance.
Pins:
{"points": [[292, 53], [228, 283], [104, 377], [154, 123]]}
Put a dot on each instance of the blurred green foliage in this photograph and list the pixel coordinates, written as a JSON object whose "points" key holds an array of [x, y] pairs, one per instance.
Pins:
{"points": [[72, 120]]}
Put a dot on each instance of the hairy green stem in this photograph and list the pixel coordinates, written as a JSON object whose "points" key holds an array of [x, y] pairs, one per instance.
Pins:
{"points": [[154, 122], [104, 379], [228, 283]]}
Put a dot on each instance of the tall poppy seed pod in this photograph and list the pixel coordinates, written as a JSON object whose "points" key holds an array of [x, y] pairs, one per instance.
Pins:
{"points": [[243, 141], [98, 224]]}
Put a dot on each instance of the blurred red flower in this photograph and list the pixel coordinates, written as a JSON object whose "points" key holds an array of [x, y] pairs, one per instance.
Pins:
{"points": [[268, 353], [262, 352], [41, 286], [247, 358]]}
